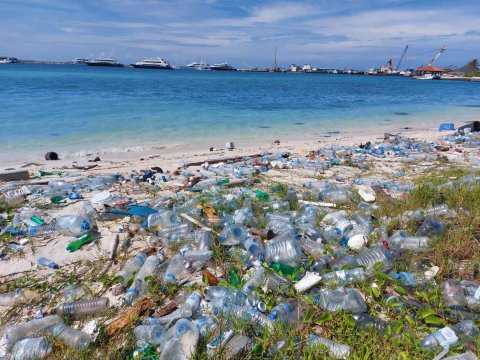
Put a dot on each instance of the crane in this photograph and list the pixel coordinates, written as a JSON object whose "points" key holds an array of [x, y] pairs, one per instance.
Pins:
{"points": [[401, 57], [436, 56]]}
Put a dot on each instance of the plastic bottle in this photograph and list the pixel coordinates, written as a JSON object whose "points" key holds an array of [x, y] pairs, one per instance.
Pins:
{"points": [[450, 335], [335, 350], [431, 227], [369, 258], [347, 299], [243, 216], [453, 293], [71, 337], [32, 328], [198, 255], [417, 279], [79, 242], [47, 263], [283, 252], [204, 239], [20, 296], [237, 344], [174, 233], [83, 308], [162, 219], [254, 247], [206, 324], [175, 267], [286, 312], [186, 310], [33, 231], [465, 356], [366, 322], [131, 266], [277, 284], [256, 280], [73, 292], [71, 225], [138, 286], [180, 341], [344, 277], [315, 249], [233, 235], [29, 349], [151, 334], [331, 234]]}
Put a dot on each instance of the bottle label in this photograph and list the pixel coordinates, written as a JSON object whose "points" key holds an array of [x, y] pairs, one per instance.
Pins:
{"points": [[446, 337]]}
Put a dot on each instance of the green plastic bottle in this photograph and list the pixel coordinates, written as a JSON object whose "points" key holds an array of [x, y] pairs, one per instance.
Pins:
{"points": [[262, 196], [283, 269], [37, 220], [56, 199], [79, 242], [234, 277]]}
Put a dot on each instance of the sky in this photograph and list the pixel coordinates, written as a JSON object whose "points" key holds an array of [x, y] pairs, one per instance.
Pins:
{"points": [[355, 34]]}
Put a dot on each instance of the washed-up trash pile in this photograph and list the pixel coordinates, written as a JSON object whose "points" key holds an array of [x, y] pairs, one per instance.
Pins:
{"points": [[213, 261]]}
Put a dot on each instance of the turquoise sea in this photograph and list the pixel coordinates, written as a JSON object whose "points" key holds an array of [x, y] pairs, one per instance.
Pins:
{"points": [[75, 107]]}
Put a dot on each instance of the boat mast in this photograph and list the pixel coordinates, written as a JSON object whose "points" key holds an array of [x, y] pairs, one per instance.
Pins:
{"points": [[275, 65]]}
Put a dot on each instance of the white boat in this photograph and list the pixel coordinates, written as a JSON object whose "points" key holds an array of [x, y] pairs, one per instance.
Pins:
{"points": [[80, 61], [154, 63], [198, 65], [222, 67], [425, 77], [5, 60], [107, 62]]}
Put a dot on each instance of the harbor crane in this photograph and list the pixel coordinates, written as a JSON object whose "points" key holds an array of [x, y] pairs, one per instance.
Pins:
{"points": [[401, 57], [440, 52]]}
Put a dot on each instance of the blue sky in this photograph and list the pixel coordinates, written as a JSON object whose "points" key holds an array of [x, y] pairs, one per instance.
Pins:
{"points": [[349, 33]]}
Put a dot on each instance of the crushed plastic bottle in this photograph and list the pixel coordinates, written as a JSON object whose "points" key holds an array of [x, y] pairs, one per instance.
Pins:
{"points": [[346, 299], [451, 335]]}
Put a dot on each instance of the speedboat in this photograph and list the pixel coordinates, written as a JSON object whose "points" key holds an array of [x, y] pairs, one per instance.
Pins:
{"points": [[198, 65], [5, 60], [80, 61], [107, 62], [156, 63], [222, 67], [424, 77]]}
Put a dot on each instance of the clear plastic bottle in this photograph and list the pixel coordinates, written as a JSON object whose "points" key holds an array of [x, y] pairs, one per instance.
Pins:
{"points": [[283, 252], [71, 225], [83, 308], [366, 322], [416, 279], [277, 284], [198, 255], [453, 293], [379, 254], [344, 277], [347, 299], [174, 233], [450, 335], [331, 234], [233, 235], [71, 337], [33, 231], [237, 344], [243, 216], [131, 266], [311, 247], [138, 286], [186, 310], [175, 267], [465, 356], [47, 263], [286, 312], [180, 341], [32, 348], [32, 328], [151, 334], [162, 219], [254, 247], [256, 280], [335, 350], [431, 227], [204, 239], [206, 324]]}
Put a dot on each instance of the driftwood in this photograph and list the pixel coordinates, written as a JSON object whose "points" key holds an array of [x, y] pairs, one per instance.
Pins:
{"points": [[128, 316]]}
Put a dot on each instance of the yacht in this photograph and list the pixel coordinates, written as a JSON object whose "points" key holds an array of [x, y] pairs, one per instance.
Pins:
{"points": [[198, 65], [222, 67], [80, 61], [156, 63], [108, 62]]}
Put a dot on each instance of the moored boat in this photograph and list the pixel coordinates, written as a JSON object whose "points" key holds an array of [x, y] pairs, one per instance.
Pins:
{"points": [[154, 63], [107, 62]]}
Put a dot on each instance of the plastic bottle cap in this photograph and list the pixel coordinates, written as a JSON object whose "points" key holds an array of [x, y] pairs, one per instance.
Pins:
{"points": [[102, 198]]}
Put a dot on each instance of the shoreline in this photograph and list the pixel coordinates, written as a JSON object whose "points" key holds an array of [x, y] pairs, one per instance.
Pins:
{"points": [[168, 157]]}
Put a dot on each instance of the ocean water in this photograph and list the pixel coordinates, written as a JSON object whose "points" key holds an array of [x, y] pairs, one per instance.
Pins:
{"points": [[75, 107]]}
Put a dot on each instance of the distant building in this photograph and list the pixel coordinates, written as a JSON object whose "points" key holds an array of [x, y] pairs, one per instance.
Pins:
{"points": [[429, 70], [307, 68], [294, 68]]}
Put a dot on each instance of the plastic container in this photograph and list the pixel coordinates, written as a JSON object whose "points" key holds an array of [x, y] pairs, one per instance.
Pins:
{"points": [[335, 350], [285, 252], [29, 349], [256, 280], [152, 334], [175, 267], [131, 266], [346, 299], [83, 308], [451, 335], [76, 339], [344, 277]]}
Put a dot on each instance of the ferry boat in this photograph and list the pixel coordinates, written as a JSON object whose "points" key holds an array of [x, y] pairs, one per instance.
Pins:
{"points": [[222, 67], [6, 60], [156, 63], [107, 62]]}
